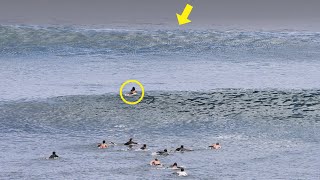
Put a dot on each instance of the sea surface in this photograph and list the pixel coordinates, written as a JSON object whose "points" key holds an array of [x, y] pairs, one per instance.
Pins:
{"points": [[257, 93]]}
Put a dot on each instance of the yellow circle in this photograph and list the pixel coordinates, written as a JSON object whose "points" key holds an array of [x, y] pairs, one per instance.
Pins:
{"points": [[142, 92]]}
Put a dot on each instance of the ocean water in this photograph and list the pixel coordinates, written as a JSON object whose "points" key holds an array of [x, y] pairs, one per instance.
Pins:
{"points": [[255, 92]]}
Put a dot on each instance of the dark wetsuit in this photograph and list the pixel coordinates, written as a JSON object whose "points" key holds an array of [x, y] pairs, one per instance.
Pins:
{"points": [[164, 153], [53, 156], [181, 149], [130, 143]]}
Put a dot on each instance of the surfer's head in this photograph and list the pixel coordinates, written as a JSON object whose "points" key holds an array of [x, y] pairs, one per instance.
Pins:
{"points": [[175, 164], [182, 169], [156, 159], [181, 146], [165, 150], [217, 143], [144, 145], [103, 141], [130, 139], [133, 89], [53, 153]]}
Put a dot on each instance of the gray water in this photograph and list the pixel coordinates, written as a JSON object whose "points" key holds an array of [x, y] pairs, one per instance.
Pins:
{"points": [[256, 93], [278, 140]]}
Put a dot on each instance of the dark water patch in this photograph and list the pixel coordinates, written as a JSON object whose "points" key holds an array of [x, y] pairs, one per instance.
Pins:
{"points": [[83, 112]]}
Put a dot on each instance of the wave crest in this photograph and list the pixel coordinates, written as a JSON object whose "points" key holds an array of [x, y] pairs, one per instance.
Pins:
{"points": [[17, 40]]}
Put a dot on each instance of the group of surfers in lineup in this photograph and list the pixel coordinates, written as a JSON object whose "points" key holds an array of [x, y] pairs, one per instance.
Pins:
{"points": [[156, 162]]}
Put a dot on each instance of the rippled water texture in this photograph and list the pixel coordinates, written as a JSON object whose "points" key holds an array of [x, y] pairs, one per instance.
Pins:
{"points": [[264, 134], [255, 92]]}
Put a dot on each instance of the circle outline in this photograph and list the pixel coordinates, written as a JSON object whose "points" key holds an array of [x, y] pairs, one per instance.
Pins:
{"points": [[131, 102]]}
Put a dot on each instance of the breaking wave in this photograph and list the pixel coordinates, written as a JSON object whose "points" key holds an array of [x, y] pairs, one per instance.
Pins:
{"points": [[26, 40]]}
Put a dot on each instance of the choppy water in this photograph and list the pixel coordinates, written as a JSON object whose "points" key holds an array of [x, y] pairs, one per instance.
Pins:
{"points": [[257, 93], [264, 134]]}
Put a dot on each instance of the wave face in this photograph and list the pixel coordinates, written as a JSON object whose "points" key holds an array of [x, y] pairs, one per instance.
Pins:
{"points": [[29, 40], [160, 109]]}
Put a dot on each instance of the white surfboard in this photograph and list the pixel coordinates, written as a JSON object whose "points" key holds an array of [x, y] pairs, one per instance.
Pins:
{"points": [[134, 94]]}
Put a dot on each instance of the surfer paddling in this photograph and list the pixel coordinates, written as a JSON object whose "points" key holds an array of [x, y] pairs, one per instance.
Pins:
{"points": [[215, 146]]}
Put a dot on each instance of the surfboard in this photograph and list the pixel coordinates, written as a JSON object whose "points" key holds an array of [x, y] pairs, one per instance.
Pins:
{"points": [[134, 94], [52, 158]]}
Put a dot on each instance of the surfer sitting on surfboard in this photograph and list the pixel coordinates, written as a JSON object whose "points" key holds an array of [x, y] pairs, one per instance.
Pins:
{"points": [[103, 145], [133, 91], [53, 155]]}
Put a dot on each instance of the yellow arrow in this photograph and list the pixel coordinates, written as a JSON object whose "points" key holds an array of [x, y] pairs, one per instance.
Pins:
{"points": [[183, 18]]}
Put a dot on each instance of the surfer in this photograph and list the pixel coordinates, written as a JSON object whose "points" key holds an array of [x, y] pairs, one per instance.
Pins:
{"points": [[144, 147], [53, 155], [155, 162], [163, 153], [175, 166], [215, 146], [133, 91], [181, 149], [182, 172], [103, 145], [130, 142]]}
